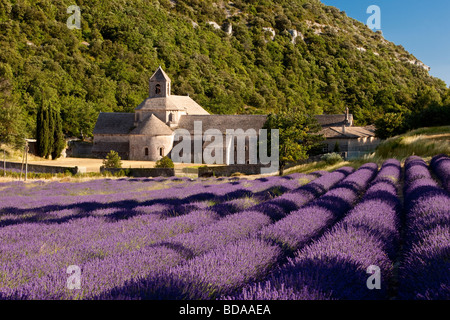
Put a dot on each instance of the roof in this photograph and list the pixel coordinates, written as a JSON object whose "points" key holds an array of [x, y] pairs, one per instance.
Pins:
{"points": [[152, 126], [350, 132], [175, 103], [160, 75], [114, 123], [332, 120], [223, 122]]}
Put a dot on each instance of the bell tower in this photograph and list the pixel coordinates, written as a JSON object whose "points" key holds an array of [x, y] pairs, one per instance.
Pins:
{"points": [[159, 84]]}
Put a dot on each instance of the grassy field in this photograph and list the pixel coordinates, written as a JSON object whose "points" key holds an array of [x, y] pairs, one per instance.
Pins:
{"points": [[423, 142]]}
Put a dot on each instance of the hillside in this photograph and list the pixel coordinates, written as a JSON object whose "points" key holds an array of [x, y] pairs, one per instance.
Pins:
{"points": [[231, 57]]}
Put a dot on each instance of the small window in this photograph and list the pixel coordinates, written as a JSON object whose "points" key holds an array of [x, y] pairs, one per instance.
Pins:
{"points": [[161, 152], [158, 89], [171, 117], [146, 151]]}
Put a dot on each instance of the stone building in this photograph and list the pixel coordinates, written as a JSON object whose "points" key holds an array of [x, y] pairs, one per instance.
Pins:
{"points": [[338, 130], [148, 133]]}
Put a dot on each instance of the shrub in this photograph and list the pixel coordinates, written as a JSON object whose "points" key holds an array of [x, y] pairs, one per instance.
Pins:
{"points": [[237, 174], [337, 148], [112, 160], [164, 162], [332, 158]]}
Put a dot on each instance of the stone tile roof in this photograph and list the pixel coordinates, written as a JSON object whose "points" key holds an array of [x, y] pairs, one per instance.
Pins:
{"points": [[332, 120], [349, 133], [152, 126], [114, 123], [187, 102], [223, 122], [175, 103], [160, 75]]}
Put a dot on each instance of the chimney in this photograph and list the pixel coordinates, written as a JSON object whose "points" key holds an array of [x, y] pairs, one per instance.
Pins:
{"points": [[347, 120]]}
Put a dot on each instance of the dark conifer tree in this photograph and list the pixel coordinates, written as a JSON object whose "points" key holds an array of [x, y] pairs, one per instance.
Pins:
{"points": [[42, 132], [58, 136]]}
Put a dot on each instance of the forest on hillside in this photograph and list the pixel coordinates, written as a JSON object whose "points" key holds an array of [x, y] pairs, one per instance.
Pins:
{"points": [[259, 67]]}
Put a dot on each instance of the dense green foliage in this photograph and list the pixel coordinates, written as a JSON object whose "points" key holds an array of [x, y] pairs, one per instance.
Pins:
{"points": [[105, 66], [392, 124], [332, 158], [164, 162], [297, 135], [112, 160], [49, 134], [389, 125]]}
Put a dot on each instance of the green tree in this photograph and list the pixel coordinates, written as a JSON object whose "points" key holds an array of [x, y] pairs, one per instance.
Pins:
{"points": [[42, 132], [164, 162], [389, 125], [51, 131], [58, 136], [49, 134], [298, 133], [11, 121], [112, 160]]}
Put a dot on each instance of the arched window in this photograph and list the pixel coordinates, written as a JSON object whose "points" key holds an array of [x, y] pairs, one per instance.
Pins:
{"points": [[170, 116], [158, 89], [146, 151]]}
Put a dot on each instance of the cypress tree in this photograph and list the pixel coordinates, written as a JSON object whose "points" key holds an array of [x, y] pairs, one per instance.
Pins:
{"points": [[50, 132], [42, 132], [58, 136]]}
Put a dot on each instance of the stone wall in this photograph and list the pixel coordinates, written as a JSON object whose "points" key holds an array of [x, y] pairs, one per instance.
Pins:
{"points": [[104, 143], [139, 143], [79, 149], [42, 168], [142, 172], [226, 171]]}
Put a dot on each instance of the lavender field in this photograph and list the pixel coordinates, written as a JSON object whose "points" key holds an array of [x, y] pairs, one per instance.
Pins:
{"points": [[300, 236]]}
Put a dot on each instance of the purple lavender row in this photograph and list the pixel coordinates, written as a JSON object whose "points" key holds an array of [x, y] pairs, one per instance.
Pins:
{"points": [[242, 223], [300, 226], [97, 275], [249, 221], [116, 243], [38, 209], [117, 186], [219, 262], [294, 199], [333, 178], [334, 267], [440, 164], [27, 258], [149, 216], [218, 272], [149, 220], [424, 271], [217, 240]]}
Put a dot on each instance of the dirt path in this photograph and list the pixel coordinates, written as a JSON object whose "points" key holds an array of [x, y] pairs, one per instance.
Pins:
{"points": [[93, 165], [444, 136]]}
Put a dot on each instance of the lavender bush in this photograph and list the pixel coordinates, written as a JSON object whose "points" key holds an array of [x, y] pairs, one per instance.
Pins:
{"points": [[424, 272], [300, 226], [440, 164]]}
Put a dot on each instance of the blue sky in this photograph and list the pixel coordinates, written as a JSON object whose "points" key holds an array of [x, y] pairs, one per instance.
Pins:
{"points": [[421, 27]]}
